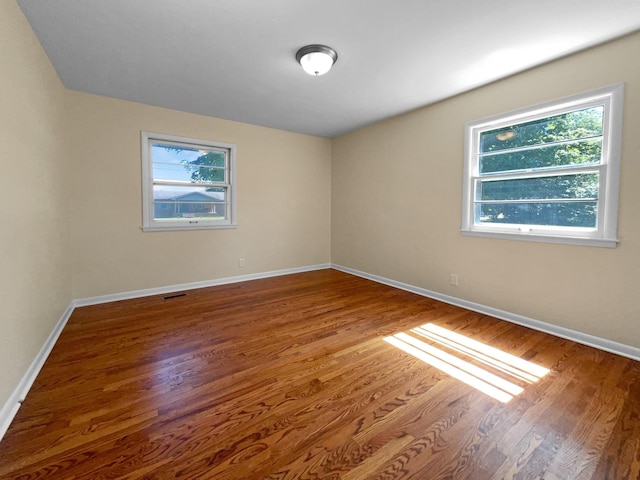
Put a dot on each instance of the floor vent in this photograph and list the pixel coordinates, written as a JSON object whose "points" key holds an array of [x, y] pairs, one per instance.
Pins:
{"points": [[169, 297]]}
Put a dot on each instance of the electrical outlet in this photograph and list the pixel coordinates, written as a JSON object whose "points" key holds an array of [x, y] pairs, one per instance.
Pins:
{"points": [[242, 263], [453, 279]]}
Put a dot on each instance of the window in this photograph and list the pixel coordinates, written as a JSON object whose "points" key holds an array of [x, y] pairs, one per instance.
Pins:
{"points": [[187, 184], [546, 173]]}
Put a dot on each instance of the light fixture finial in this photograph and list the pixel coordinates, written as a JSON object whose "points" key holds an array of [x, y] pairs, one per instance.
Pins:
{"points": [[316, 59]]}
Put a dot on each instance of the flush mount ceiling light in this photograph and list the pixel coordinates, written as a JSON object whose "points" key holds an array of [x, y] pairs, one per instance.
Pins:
{"points": [[316, 59]]}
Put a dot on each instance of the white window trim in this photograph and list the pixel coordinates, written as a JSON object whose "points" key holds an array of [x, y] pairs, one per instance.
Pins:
{"points": [[148, 222], [612, 97]]}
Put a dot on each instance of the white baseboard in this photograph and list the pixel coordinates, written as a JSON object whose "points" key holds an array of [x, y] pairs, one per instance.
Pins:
{"points": [[579, 337], [83, 302], [12, 405]]}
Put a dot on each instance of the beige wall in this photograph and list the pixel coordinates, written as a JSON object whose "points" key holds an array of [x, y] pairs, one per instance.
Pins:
{"points": [[396, 202], [35, 277], [284, 201]]}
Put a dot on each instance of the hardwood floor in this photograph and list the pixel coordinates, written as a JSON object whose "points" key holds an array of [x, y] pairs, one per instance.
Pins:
{"points": [[291, 378]]}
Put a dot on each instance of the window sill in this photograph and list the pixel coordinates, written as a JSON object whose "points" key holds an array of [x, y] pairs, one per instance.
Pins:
{"points": [[163, 228], [528, 237]]}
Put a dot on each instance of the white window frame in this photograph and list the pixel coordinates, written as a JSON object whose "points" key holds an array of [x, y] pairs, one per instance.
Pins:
{"points": [[149, 224], [605, 233]]}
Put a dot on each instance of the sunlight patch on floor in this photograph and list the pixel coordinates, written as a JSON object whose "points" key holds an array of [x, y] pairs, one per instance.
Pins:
{"points": [[473, 375]]}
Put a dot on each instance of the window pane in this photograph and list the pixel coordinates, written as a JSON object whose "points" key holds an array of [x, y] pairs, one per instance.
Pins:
{"points": [[586, 152], [189, 202], [190, 173], [584, 185], [175, 162], [564, 214], [578, 124]]}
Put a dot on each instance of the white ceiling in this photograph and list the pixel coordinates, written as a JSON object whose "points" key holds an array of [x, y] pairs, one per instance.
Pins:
{"points": [[235, 59]]}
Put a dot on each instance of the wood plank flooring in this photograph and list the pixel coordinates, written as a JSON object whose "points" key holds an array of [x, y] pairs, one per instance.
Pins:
{"points": [[291, 378]]}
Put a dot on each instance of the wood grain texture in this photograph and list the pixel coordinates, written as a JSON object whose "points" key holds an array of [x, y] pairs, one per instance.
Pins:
{"points": [[289, 378]]}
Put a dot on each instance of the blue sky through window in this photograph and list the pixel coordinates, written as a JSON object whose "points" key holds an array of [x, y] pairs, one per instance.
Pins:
{"points": [[169, 165]]}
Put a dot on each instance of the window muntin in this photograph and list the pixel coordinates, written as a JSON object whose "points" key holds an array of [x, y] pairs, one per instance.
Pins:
{"points": [[547, 173], [187, 183]]}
